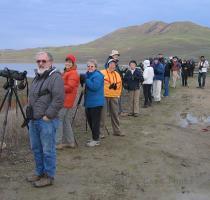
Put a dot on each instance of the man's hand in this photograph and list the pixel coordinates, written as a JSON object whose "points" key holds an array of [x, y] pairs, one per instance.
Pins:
{"points": [[45, 118]]}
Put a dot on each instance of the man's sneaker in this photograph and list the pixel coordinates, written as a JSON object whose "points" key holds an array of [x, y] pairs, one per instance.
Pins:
{"points": [[43, 182], [102, 136], [33, 178], [3, 145], [93, 143], [89, 140]]}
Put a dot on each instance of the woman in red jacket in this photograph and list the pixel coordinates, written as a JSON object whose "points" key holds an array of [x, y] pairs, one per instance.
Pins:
{"points": [[65, 135]]}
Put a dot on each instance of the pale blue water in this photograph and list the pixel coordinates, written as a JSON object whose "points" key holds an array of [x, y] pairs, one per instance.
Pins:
{"points": [[29, 67]]}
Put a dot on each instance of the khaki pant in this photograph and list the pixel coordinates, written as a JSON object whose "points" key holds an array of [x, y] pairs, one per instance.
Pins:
{"points": [[65, 134], [112, 108], [175, 77], [134, 96], [157, 84]]}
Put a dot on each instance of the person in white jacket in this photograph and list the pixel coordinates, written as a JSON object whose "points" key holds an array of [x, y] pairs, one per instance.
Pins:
{"points": [[148, 75], [203, 68]]}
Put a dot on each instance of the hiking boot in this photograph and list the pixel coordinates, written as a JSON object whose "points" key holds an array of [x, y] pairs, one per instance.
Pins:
{"points": [[59, 146], [70, 145], [33, 178], [43, 182], [93, 143], [119, 134], [135, 114], [145, 106]]}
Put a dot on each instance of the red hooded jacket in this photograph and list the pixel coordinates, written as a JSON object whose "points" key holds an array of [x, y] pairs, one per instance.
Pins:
{"points": [[71, 84]]}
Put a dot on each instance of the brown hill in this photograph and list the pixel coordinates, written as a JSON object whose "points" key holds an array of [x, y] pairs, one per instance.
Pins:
{"points": [[184, 39]]}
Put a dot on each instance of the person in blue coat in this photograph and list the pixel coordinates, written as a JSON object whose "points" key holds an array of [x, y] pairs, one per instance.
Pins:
{"points": [[158, 78], [94, 100]]}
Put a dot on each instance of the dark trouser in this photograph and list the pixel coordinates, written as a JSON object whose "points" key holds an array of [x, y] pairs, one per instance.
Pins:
{"points": [[94, 118], [166, 86], [201, 79], [184, 79], [147, 93], [191, 72]]}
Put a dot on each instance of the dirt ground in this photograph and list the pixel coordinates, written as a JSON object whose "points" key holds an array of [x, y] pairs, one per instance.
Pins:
{"points": [[164, 156]]}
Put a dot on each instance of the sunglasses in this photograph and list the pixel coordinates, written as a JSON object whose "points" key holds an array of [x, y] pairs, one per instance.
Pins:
{"points": [[39, 61]]}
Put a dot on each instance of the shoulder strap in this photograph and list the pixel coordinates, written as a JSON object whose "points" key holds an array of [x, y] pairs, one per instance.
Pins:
{"points": [[45, 78]]}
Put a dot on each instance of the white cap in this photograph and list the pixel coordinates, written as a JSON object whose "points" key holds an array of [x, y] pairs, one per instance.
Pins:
{"points": [[115, 52], [146, 63]]}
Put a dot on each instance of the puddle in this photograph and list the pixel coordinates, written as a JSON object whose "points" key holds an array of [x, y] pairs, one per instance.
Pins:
{"points": [[187, 119]]}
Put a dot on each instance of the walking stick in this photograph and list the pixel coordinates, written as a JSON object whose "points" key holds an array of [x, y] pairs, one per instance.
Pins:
{"points": [[86, 124]]}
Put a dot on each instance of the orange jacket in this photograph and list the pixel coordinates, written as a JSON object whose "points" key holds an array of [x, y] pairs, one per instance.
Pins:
{"points": [[110, 78], [71, 83]]}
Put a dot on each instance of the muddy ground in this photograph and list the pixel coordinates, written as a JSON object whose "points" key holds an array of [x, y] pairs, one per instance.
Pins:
{"points": [[164, 156]]}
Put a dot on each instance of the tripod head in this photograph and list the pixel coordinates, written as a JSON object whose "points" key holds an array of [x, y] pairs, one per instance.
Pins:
{"points": [[9, 84], [12, 77]]}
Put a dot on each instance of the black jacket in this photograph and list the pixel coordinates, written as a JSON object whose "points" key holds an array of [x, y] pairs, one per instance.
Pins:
{"points": [[185, 68], [168, 69], [132, 81]]}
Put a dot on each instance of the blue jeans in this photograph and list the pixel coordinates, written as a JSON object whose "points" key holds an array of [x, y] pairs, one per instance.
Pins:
{"points": [[166, 86], [201, 79], [42, 138]]}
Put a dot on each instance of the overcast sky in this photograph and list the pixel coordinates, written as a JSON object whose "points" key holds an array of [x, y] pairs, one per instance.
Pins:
{"points": [[40, 23]]}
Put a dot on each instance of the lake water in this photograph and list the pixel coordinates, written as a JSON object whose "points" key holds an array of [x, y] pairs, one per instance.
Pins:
{"points": [[29, 67]]}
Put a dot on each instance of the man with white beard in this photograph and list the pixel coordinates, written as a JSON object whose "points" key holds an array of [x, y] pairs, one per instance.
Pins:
{"points": [[46, 97]]}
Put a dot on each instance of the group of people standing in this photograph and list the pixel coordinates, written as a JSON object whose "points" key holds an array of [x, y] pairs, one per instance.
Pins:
{"points": [[52, 96]]}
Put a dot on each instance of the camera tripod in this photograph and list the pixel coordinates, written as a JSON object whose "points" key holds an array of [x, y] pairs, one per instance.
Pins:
{"points": [[11, 89]]}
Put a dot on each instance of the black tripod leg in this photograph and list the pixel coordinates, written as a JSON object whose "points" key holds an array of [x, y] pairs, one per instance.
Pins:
{"points": [[107, 130], [86, 124], [5, 97], [75, 113], [21, 109], [73, 122], [10, 92]]}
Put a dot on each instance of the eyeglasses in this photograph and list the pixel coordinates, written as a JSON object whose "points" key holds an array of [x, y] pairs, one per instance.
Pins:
{"points": [[43, 61], [91, 66]]}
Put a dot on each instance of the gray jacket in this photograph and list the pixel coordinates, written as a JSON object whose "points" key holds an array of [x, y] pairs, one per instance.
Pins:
{"points": [[52, 101]]}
